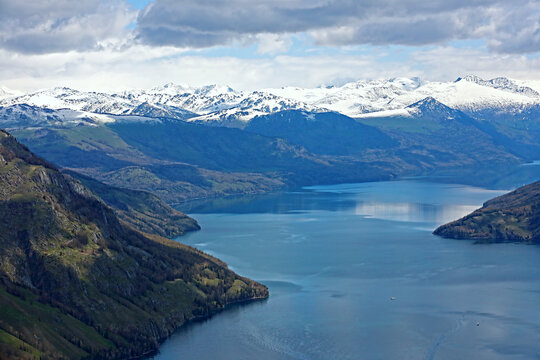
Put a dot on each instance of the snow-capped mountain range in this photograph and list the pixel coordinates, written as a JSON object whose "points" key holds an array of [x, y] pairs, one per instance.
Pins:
{"points": [[208, 104], [366, 98], [222, 105], [31, 116]]}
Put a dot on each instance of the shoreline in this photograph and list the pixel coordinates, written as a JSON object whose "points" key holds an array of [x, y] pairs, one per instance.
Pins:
{"points": [[199, 318], [458, 179]]}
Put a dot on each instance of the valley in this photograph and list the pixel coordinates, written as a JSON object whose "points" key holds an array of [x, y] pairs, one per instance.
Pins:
{"points": [[269, 180], [88, 226], [184, 143]]}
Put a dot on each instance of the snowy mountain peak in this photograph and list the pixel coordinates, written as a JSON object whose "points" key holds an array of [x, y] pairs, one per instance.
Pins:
{"points": [[396, 83], [24, 115], [470, 78], [501, 83], [6, 93], [215, 90], [172, 89], [179, 89], [471, 93], [406, 83], [64, 89], [248, 106], [427, 103], [222, 105]]}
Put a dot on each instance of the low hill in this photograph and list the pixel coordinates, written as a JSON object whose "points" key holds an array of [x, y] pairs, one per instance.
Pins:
{"points": [[513, 217]]}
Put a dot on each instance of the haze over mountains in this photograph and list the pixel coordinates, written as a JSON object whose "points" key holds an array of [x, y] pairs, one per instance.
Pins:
{"points": [[184, 142]]}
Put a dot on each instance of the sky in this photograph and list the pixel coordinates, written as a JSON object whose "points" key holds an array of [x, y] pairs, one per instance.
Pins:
{"points": [[252, 44]]}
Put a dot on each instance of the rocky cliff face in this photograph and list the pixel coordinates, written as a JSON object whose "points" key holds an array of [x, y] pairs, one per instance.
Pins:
{"points": [[75, 281], [514, 217]]}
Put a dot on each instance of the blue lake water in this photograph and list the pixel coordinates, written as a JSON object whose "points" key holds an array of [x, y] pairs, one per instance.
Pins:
{"points": [[334, 256]]}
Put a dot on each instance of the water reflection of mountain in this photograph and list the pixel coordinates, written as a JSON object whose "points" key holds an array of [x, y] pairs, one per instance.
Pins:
{"points": [[304, 201], [273, 203], [412, 212]]}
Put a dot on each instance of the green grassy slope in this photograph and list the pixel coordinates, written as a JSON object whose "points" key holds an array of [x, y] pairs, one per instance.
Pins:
{"points": [[76, 282], [100, 153], [180, 161], [143, 210]]}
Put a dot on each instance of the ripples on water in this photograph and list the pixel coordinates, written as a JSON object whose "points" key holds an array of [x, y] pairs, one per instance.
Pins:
{"points": [[334, 256]]}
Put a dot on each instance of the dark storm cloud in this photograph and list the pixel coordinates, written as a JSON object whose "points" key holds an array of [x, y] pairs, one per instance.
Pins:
{"points": [[518, 30], [505, 26], [44, 26]]}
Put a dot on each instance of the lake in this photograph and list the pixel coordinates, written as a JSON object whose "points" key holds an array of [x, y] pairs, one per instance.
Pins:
{"points": [[354, 272]]}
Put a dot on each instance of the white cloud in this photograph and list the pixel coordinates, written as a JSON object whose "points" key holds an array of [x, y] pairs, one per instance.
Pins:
{"points": [[448, 62], [144, 66], [273, 43], [44, 26], [512, 27], [41, 26], [89, 44]]}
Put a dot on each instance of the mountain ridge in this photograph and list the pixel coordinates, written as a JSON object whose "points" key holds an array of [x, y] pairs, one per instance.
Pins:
{"points": [[422, 137], [215, 102], [77, 282]]}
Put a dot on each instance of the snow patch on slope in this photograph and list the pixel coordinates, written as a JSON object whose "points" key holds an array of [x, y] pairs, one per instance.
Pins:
{"points": [[386, 113], [8, 93]]}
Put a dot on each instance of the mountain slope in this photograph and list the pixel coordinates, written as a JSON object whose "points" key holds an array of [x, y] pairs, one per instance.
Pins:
{"points": [[101, 153], [144, 144], [447, 137], [76, 282], [511, 217], [268, 161], [327, 133], [142, 210], [177, 160]]}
